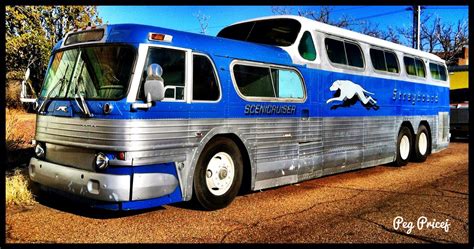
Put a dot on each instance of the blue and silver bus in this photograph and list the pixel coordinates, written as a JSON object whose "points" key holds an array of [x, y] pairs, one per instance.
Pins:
{"points": [[134, 116]]}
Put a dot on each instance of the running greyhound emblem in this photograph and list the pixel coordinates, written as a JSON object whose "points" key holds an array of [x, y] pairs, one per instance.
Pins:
{"points": [[348, 90], [62, 108]]}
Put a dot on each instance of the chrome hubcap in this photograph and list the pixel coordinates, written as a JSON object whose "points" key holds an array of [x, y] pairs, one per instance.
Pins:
{"points": [[220, 173], [423, 144], [404, 147]]}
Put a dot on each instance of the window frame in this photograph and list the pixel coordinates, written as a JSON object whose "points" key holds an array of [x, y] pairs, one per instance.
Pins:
{"points": [[268, 66], [384, 50], [345, 66], [416, 70], [143, 51], [314, 45], [218, 82], [439, 65]]}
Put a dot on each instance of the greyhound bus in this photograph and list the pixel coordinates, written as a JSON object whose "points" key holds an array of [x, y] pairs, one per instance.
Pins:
{"points": [[134, 116]]}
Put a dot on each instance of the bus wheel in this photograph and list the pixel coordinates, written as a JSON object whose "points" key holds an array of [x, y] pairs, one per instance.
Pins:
{"points": [[218, 174], [421, 144], [403, 146]]}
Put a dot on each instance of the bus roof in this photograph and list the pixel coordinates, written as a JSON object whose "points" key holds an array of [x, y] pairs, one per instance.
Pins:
{"points": [[137, 33], [308, 24]]}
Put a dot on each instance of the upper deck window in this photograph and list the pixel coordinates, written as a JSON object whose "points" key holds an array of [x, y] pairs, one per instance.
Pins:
{"points": [[306, 47], [414, 66], [344, 53], [384, 60], [268, 82], [438, 72], [277, 32]]}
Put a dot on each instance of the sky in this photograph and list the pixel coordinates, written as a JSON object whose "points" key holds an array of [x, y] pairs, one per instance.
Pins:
{"points": [[183, 17]]}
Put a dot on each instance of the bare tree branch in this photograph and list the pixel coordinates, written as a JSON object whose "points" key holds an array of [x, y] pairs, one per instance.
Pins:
{"points": [[203, 21]]}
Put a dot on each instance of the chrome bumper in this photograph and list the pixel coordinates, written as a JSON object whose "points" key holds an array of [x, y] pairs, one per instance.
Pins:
{"points": [[103, 187]]}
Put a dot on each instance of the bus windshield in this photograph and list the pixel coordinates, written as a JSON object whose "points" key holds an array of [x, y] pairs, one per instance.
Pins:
{"points": [[93, 72]]}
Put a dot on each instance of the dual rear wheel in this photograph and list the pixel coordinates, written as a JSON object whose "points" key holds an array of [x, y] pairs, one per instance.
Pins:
{"points": [[416, 148]]}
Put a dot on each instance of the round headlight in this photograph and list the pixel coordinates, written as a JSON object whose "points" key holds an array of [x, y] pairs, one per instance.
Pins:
{"points": [[101, 161], [39, 150]]}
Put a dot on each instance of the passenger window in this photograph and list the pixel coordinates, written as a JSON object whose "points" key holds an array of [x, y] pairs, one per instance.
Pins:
{"points": [[205, 85], [288, 84], [173, 63], [306, 47], [438, 72], [336, 51], [410, 65], [420, 68], [270, 82], [377, 58], [392, 62], [254, 81], [354, 55]]}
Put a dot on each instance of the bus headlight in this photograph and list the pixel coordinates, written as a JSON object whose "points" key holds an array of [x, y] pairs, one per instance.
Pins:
{"points": [[39, 150], [101, 161]]}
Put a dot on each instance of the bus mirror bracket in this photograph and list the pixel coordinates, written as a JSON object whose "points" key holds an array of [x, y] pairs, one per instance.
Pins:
{"points": [[154, 87], [23, 95]]}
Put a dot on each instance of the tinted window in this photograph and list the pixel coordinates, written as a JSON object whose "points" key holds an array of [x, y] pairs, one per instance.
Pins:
{"points": [[392, 62], [336, 51], [354, 55], [306, 47], [410, 65], [172, 61], [377, 58], [420, 68], [254, 81], [438, 71], [205, 86], [279, 32]]}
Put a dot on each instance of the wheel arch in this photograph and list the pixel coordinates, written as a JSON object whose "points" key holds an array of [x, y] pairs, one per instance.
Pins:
{"points": [[248, 181]]}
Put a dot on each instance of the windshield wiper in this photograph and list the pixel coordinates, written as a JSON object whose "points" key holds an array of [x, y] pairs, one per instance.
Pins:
{"points": [[59, 83], [84, 108]]}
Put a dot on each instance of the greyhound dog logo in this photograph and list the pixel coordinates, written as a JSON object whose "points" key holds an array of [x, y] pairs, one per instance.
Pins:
{"points": [[62, 108], [348, 90]]}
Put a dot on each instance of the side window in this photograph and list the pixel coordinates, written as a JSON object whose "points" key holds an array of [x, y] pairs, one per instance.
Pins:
{"points": [[287, 84], [173, 63], [354, 55], [420, 68], [384, 60], [268, 82], [438, 72], [306, 47], [336, 51], [377, 58], [205, 85], [392, 62], [410, 65], [254, 81]]}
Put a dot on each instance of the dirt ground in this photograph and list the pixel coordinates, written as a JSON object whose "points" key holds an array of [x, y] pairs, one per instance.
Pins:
{"points": [[354, 207]]}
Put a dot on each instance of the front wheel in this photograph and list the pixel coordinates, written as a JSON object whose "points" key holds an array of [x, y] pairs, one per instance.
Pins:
{"points": [[422, 143], [218, 174], [404, 141]]}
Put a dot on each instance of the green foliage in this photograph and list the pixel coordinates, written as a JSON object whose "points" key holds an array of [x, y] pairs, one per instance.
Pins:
{"points": [[32, 31]]}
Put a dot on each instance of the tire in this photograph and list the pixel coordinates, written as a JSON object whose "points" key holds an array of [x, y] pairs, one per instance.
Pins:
{"points": [[404, 146], [422, 144], [218, 174]]}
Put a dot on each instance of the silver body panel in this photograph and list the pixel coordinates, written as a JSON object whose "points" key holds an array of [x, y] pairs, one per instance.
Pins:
{"points": [[281, 150]]}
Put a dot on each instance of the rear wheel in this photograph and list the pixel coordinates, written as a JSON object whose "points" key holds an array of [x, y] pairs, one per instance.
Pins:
{"points": [[218, 174], [422, 143], [403, 146]]}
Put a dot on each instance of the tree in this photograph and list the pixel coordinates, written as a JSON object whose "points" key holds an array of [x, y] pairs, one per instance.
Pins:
{"points": [[452, 39], [203, 21], [32, 31]]}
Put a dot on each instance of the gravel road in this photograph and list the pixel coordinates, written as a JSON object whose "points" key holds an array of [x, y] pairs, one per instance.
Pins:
{"points": [[354, 207]]}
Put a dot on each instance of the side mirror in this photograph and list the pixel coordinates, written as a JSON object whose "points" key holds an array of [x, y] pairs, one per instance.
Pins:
{"points": [[154, 83], [23, 95]]}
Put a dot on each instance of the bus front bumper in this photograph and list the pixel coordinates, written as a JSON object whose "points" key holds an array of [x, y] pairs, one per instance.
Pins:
{"points": [[99, 186]]}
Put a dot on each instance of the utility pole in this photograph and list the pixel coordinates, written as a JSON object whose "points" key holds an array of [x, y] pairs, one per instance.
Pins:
{"points": [[416, 26]]}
